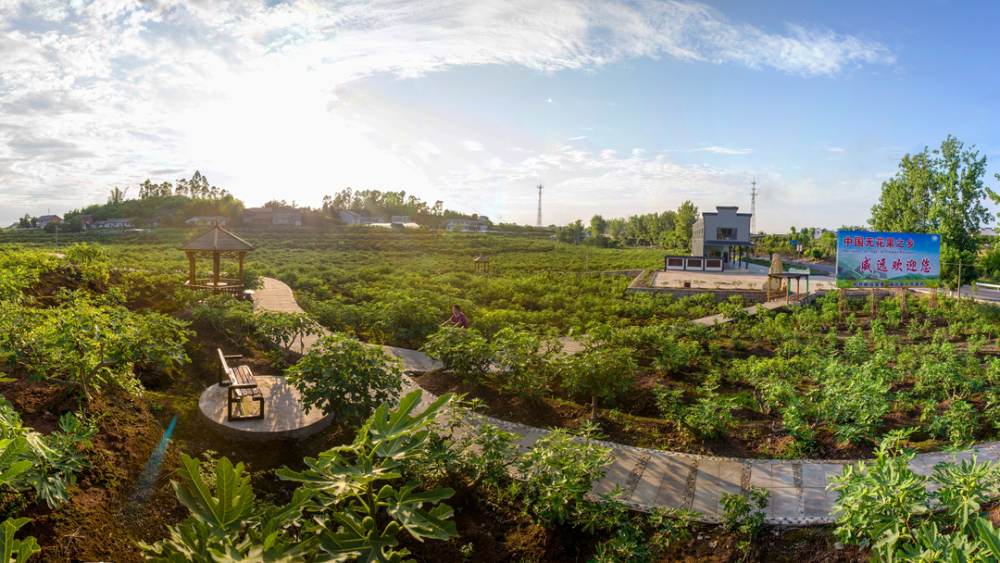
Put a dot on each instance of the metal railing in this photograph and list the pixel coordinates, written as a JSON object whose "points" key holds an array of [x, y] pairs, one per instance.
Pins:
{"points": [[226, 285]]}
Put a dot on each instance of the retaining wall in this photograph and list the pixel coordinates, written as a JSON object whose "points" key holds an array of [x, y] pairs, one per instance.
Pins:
{"points": [[721, 295]]}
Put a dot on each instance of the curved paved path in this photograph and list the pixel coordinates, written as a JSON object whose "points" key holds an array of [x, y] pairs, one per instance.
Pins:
{"points": [[654, 478]]}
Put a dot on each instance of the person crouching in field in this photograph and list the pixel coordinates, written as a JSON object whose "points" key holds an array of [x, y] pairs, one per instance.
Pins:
{"points": [[457, 318]]}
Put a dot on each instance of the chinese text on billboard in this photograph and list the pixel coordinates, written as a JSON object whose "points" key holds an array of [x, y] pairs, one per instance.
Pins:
{"points": [[867, 259]]}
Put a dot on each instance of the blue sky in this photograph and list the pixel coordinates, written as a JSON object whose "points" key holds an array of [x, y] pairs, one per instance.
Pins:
{"points": [[617, 108]]}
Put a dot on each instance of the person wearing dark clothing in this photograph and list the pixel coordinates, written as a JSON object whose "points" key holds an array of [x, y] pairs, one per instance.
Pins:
{"points": [[457, 318]]}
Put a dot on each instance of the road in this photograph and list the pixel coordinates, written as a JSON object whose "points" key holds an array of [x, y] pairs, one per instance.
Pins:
{"points": [[983, 293]]}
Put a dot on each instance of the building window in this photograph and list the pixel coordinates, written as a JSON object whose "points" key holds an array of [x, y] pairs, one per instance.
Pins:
{"points": [[715, 253], [725, 234]]}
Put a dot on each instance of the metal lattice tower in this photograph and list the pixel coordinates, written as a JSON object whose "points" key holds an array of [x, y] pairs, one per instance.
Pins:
{"points": [[539, 222], [753, 206]]}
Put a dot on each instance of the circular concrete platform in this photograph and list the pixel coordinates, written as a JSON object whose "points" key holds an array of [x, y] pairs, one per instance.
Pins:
{"points": [[284, 416]]}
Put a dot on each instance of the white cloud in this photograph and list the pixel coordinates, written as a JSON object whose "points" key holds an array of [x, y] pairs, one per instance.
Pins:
{"points": [[638, 152], [473, 146], [108, 93], [885, 175], [723, 150], [549, 100], [835, 149], [577, 138]]}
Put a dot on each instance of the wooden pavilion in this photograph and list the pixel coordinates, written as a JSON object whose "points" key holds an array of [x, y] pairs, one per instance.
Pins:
{"points": [[216, 242], [482, 263]]}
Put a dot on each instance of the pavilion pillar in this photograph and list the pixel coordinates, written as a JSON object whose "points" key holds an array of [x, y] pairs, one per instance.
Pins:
{"points": [[241, 255], [215, 271], [192, 279]]}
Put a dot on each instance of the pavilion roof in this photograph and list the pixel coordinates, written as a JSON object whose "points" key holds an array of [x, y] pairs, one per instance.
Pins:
{"points": [[481, 259], [217, 238]]}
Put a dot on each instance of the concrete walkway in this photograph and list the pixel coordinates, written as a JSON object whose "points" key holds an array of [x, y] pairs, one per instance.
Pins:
{"points": [[654, 478]]}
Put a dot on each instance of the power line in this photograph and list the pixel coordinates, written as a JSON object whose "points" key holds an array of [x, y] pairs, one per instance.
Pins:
{"points": [[753, 206]]}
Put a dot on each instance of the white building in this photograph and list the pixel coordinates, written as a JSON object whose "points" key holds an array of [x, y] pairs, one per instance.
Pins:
{"points": [[987, 232], [114, 223], [400, 218], [354, 218], [467, 225], [201, 220]]}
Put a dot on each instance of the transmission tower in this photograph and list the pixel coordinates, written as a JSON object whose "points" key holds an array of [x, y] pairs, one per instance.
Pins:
{"points": [[539, 223], [753, 206]]}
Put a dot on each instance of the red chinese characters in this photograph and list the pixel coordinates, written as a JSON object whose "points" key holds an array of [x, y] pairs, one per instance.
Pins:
{"points": [[890, 243], [880, 265], [925, 266], [911, 265], [847, 242], [897, 264], [879, 242], [909, 243], [866, 265], [869, 242], [899, 243]]}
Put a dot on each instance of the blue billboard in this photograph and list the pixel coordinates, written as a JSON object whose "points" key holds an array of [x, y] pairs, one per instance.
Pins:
{"points": [[867, 259]]}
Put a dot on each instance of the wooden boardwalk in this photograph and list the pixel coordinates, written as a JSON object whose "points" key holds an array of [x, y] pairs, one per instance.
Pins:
{"points": [[654, 478]]}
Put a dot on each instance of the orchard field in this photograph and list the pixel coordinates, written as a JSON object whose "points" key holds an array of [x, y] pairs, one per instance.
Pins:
{"points": [[103, 351]]}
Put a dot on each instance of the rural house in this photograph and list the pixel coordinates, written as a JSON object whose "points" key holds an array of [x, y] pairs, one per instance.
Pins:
{"points": [[46, 219], [208, 220]]}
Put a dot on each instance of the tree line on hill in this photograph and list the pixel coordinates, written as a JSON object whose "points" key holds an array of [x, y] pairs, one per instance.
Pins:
{"points": [[188, 198], [669, 230], [196, 197], [375, 203]]}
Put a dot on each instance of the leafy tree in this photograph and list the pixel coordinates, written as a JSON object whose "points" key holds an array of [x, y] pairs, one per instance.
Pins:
{"points": [[344, 377], [117, 196], [52, 461], [616, 228], [47, 463], [884, 505], [939, 191], [88, 345], [285, 330], [744, 515], [597, 226], [338, 514], [464, 352], [73, 225], [687, 216], [344, 481], [522, 359], [559, 471], [600, 372]]}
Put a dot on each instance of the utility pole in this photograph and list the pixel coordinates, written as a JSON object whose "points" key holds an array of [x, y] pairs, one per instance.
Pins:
{"points": [[539, 222], [959, 264], [753, 206]]}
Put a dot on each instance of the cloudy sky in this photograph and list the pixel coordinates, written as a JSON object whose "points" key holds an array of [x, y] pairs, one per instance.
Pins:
{"points": [[616, 107]]}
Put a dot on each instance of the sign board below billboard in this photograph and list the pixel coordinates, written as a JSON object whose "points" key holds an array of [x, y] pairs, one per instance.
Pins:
{"points": [[868, 259]]}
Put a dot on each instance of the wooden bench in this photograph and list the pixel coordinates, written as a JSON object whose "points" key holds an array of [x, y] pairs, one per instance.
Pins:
{"points": [[241, 383]]}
